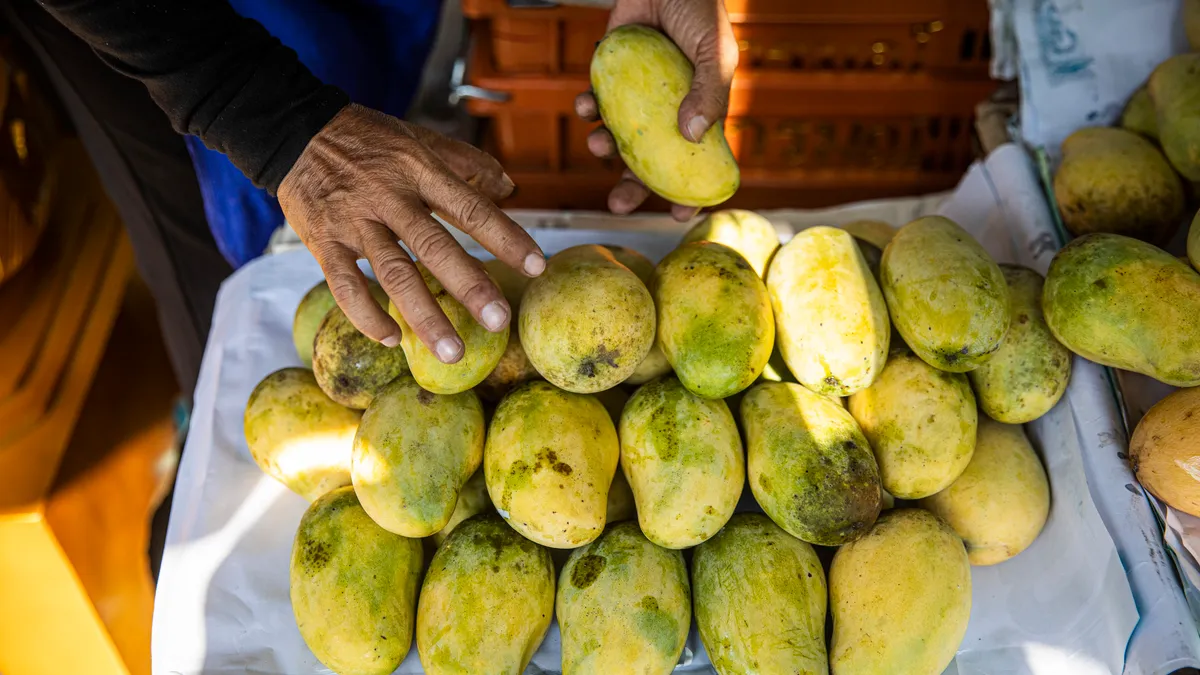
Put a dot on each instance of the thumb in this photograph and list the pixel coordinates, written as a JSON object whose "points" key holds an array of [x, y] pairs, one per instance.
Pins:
{"points": [[708, 101]]}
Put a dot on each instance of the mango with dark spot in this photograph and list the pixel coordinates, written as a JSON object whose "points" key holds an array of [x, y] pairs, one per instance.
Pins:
{"points": [[473, 500], [353, 587], [1163, 452], [549, 460], [947, 297], [1175, 88], [312, 309], [746, 232], [921, 423], [714, 318], [624, 606], [1027, 376], [683, 458], [413, 453], [351, 367], [810, 467], [760, 600], [587, 321], [486, 602], [900, 597], [1126, 304]]}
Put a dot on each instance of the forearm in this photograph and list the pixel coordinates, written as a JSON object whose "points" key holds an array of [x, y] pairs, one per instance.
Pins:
{"points": [[216, 74]]}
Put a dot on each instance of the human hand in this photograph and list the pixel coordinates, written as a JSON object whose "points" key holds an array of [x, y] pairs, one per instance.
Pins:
{"points": [[367, 179], [702, 31]]}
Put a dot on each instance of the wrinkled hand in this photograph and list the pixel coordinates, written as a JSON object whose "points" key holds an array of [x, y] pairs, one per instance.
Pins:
{"points": [[702, 31], [367, 180]]}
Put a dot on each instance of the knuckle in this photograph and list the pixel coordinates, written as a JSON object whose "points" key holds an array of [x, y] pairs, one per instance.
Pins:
{"points": [[431, 325], [474, 214], [397, 274], [433, 245]]}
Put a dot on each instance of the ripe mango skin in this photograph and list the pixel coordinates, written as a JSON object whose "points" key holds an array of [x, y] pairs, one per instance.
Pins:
{"points": [[1175, 87], [1193, 243], [714, 318], [639, 78], [624, 605], [682, 456], [1028, 375], [760, 600], [746, 232], [1139, 115], [313, 307], [874, 232], [946, 295], [900, 597], [810, 467], [1163, 453], [473, 500], [621, 505], [351, 367], [655, 364], [298, 435], [549, 460], [486, 602], [353, 587], [831, 323], [587, 321], [1126, 304], [999, 505], [512, 369], [413, 452], [921, 423]]}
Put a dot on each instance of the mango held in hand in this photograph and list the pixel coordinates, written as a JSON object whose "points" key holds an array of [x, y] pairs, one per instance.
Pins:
{"points": [[714, 318], [297, 435], [353, 587], [1163, 450], [1175, 87], [312, 309], [810, 467], [830, 319], [351, 367], [486, 602], [683, 458], [624, 606], [947, 297], [1127, 304], [549, 460], [760, 600], [587, 321], [900, 597], [1027, 376], [743, 231], [639, 78]]}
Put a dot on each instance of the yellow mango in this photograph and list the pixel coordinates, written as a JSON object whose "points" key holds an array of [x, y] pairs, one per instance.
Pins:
{"points": [[714, 318], [946, 295], [486, 601], [621, 505], [587, 321], [743, 231], [1000, 503], [760, 600], [1175, 88], [1164, 453], [549, 460], [353, 587], [636, 261], [512, 369], [1193, 243], [900, 597], [639, 78], [831, 323], [810, 467], [349, 366], [655, 364], [624, 606], [312, 309], [875, 232], [1139, 115], [683, 458], [1027, 376], [1127, 304], [921, 423], [297, 435], [473, 500]]}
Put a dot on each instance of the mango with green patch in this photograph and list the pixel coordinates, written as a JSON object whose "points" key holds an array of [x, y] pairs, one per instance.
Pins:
{"points": [[349, 366], [746, 232], [312, 309], [1175, 88]]}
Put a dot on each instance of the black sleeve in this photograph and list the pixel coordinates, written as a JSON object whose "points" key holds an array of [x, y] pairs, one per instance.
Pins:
{"points": [[216, 74]]}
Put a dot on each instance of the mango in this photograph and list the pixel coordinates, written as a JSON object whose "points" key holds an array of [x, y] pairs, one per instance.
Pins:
{"points": [[947, 297], [639, 78], [613, 401], [510, 282], [549, 460], [760, 600], [682, 456], [1191, 23], [1000, 503], [655, 364], [312, 309], [512, 369], [810, 467], [1193, 243], [486, 602], [353, 587], [297, 435], [872, 254], [1175, 88], [1139, 115], [587, 321], [413, 453], [1027, 376], [831, 323], [349, 366], [473, 500], [746, 232], [1163, 450], [875, 232], [621, 505], [1126, 304], [714, 318], [636, 261], [624, 606], [1113, 180], [921, 423], [900, 597]]}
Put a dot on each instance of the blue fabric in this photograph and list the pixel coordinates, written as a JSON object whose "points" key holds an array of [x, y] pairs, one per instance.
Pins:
{"points": [[373, 49]]}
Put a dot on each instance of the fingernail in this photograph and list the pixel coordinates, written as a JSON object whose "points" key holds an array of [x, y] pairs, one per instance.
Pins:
{"points": [[390, 341], [696, 128], [535, 264], [508, 183], [448, 349], [493, 316]]}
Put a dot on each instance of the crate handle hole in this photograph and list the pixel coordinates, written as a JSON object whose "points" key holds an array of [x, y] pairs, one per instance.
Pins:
{"points": [[966, 51]]}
